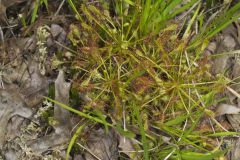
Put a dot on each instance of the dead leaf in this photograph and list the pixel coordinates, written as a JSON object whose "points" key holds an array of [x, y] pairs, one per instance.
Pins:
{"points": [[235, 152], [226, 109], [61, 115], [11, 104], [102, 145], [126, 146]]}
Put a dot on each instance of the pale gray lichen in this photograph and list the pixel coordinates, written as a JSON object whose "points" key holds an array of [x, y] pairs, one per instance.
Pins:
{"points": [[2, 74], [30, 132], [34, 125], [43, 33], [46, 108], [1, 80]]}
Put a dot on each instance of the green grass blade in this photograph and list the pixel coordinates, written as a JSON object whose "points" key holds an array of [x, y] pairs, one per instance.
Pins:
{"points": [[73, 139], [187, 32], [170, 7], [142, 132], [72, 5], [177, 120], [201, 156], [80, 113], [127, 134], [129, 2], [35, 10], [144, 16], [222, 134], [46, 4], [221, 26], [183, 8], [233, 10]]}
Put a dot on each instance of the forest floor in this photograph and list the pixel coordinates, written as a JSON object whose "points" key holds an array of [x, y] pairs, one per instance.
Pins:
{"points": [[109, 80]]}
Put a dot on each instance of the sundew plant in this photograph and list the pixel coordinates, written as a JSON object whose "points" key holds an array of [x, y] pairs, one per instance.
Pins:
{"points": [[141, 65]]}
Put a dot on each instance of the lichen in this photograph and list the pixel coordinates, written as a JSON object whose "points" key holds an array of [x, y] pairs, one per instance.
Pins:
{"points": [[42, 36], [30, 132]]}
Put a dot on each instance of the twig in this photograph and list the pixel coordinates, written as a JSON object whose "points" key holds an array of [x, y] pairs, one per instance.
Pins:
{"points": [[59, 8], [89, 151], [169, 155]]}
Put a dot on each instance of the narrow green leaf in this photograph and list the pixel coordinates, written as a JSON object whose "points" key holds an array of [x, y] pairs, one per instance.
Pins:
{"points": [[72, 5], [187, 32], [170, 7], [201, 156], [34, 13], [176, 121], [72, 141], [129, 2], [222, 134], [127, 134], [142, 132], [46, 4], [233, 10], [79, 112], [183, 8]]}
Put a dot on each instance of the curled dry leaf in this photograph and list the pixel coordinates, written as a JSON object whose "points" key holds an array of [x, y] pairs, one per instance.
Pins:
{"points": [[11, 104], [4, 4], [61, 115], [102, 145], [127, 146], [235, 152], [227, 109]]}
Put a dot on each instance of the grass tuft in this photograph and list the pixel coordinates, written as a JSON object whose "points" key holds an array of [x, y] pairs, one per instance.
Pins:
{"points": [[144, 69]]}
